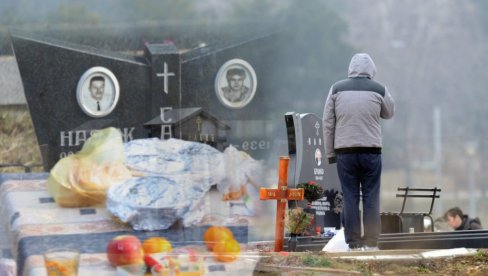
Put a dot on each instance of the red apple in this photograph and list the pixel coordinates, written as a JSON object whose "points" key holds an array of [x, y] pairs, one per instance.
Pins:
{"points": [[125, 250]]}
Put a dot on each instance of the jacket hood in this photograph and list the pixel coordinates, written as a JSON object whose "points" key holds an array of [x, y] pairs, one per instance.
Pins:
{"points": [[469, 223], [361, 66]]}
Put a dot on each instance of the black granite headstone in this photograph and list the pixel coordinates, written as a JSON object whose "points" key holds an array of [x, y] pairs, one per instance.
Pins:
{"points": [[72, 90], [308, 163], [57, 78]]}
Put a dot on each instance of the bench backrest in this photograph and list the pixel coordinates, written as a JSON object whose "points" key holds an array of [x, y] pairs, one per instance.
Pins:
{"points": [[419, 192]]}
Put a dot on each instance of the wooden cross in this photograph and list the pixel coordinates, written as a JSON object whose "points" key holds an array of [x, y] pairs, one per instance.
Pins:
{"points": [[282, 194]]}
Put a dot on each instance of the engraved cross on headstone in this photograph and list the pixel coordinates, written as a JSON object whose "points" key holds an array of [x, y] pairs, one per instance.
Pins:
{"points": [[165, 74]]}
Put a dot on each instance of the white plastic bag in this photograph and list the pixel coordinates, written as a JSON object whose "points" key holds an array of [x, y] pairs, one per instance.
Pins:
{"points": [[239, 171], [337, 243]]}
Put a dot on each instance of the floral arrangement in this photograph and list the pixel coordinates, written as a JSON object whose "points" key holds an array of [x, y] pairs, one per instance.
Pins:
{"points": [[311, 190], [338, 202], [297, 221]]}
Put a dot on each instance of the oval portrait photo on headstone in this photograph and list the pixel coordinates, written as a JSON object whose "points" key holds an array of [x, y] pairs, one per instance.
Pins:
{"points": [[235, 83], [318, 157], [97, 92]]}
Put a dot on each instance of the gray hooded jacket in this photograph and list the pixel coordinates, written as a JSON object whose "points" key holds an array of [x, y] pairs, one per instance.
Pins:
{"points": [[353, 110]]}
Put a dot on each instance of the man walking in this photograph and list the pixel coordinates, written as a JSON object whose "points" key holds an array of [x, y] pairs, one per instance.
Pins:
{"points": [[352, 135]]}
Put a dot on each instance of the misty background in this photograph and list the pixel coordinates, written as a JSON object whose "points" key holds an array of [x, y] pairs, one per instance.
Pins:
{"points": [[430, 54]]}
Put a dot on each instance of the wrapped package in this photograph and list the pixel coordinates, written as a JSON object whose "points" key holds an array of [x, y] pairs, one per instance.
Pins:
{"points": [[173, 177], [82, 179], [153, 202], [174, 157]]}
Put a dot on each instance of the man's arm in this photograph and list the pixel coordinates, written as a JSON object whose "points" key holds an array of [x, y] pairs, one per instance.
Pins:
{"points": [[387, 106], [328, 125]]}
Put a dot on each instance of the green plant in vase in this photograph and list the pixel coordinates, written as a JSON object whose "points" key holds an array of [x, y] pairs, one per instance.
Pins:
{"points": [[297, 222]]}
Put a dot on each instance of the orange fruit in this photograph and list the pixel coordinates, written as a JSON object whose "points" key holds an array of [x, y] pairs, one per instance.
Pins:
{"points": [[156, 245], [226, 251], [216, 234]]}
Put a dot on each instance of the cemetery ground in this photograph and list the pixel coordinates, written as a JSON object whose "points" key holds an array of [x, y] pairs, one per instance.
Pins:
{"points": [[18, 145], [322, 263]]}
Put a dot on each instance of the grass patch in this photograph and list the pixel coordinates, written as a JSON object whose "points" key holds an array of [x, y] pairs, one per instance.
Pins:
{"points": [[481, 256], [316, 261], [423, 269], [18, 142]]}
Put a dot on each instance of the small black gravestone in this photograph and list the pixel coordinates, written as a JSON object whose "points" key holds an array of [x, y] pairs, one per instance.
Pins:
{"points": [[308, 163], [72, 90], [191, 124]]}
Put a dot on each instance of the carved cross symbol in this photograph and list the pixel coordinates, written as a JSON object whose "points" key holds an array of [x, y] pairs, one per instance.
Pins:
{"points": [[282, 195], [317, 126], [165, 75]]}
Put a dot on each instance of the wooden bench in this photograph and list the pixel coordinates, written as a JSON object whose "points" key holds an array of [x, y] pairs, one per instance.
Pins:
{"points": [[403, 222]]}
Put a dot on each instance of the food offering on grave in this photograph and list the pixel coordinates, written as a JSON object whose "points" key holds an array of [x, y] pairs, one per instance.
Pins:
{"points": [[155, 202], [216, 234], [232, 170], [157, 255], [82, 179], [125, 250], [188, 262], [181, 262], [174, 176], [221, 242], [61, 262], [156, 245], [227, 250], [174, 159], [158, 264]]}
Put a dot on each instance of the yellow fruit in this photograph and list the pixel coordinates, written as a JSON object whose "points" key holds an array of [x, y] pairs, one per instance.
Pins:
{"points": [[156, 245], [227, 251], [216, 234]]}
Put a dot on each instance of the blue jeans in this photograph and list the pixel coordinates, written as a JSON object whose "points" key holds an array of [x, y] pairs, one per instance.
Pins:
{"points": [[360, 175]]}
